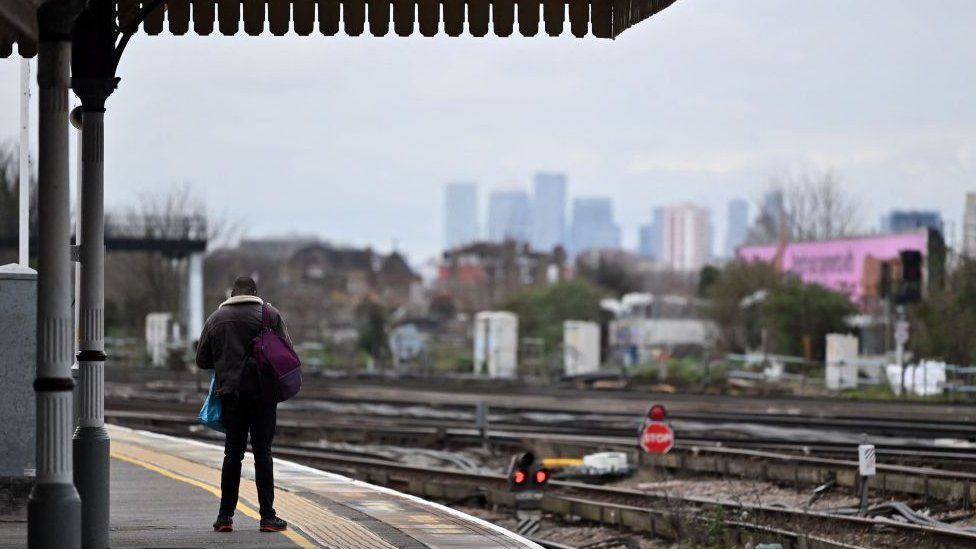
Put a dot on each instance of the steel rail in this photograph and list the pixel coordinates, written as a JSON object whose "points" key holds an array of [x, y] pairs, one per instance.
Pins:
{"points": [[514, 433]]}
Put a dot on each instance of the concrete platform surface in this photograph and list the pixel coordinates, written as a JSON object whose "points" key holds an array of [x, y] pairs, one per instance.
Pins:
{"points": [[150, 509], [165, 494], [153, 510], [323, 509]]}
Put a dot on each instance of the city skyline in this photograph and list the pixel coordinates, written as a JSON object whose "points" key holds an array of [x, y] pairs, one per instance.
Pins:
{"points": [[539, 219], [740, 216]]}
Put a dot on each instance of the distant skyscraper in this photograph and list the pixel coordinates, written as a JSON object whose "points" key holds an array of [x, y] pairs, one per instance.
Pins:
{"points": [[737, 228], [687, 237], [548, 218], [774, 207], [969, 227], [652, 235], [508, 216], [593, 225], [460, 214], [909, 220]]}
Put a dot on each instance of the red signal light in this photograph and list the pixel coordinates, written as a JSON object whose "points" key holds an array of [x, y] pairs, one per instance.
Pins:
{"points": [[519, 476], [656, 413], [541, 476]]}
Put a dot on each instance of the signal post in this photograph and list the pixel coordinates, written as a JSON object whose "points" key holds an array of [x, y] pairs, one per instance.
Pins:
{"points": [[527, 480], [656, 436]]}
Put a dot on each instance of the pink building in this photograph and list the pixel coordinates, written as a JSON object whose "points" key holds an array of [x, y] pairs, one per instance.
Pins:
{"points": [[852, 265]]}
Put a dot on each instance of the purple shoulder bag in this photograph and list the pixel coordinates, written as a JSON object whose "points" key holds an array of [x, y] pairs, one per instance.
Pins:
{"points": [[278, 365]]}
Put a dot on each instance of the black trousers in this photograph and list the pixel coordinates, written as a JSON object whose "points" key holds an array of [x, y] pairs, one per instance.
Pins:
{"points": [[245, 414]]}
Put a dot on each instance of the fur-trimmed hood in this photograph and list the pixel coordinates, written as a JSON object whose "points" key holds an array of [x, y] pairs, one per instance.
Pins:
{"points": [[226, 339], [239, 299]]}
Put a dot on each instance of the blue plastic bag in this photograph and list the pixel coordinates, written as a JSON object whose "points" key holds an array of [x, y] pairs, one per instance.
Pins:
{"points": [[212, 412]]}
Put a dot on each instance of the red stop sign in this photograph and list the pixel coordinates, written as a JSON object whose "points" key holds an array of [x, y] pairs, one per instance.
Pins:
{"points": [[657, 438]]}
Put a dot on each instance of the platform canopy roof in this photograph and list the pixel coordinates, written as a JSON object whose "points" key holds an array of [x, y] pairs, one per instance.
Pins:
{"points": [[601, 18], [18, 25]]}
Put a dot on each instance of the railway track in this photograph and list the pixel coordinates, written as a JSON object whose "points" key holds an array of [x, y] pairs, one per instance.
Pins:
{"points": [[931, 451], [948, 482], [656, 513]]}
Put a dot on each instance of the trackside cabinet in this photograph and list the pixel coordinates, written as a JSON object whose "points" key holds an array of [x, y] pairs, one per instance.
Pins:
{"points": [[18, 306]]}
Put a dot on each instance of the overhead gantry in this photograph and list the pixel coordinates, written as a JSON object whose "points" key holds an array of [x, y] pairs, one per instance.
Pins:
{"points": [[78, 44]]}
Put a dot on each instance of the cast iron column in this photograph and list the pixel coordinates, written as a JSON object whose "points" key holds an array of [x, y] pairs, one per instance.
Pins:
{"points": [[91, 441], [93, 82], [54, 508]]}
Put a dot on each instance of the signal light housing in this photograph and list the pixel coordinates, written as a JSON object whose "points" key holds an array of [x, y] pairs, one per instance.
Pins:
{"points": [[527, 474], [911, 276], [657, 413]]}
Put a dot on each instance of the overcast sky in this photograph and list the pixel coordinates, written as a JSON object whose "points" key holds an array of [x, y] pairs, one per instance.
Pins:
{"points": [[352, 139]]}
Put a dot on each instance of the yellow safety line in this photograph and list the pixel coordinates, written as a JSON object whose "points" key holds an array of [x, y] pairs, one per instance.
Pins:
{"points": [[297, 538]]}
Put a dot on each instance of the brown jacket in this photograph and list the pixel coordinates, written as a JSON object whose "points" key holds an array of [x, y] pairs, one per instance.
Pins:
{"points": [[225, 342]]}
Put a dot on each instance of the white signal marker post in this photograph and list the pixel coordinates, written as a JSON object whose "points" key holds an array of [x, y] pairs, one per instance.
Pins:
{"points": [[23, 255], [866, 466]]}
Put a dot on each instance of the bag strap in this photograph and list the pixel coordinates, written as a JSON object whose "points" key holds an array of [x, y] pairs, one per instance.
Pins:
{"points": [[265, 317]]}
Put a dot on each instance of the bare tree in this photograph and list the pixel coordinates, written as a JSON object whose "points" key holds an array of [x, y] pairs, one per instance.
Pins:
{"points": [[9, 193], [806, 207], [138, 283], [9, 182]]}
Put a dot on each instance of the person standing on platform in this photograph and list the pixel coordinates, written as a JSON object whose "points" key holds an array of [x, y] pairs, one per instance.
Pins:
{"points": [[224, 347]]}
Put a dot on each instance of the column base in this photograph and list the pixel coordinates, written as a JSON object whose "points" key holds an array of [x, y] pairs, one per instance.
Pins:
{"points": [[54, 517], [91, 447]]}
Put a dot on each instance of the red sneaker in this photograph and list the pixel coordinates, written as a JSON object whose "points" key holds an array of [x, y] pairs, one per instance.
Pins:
{"points": [[273, 524], [224, 524]]}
